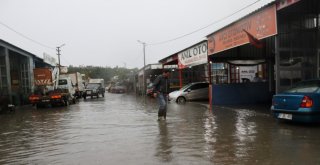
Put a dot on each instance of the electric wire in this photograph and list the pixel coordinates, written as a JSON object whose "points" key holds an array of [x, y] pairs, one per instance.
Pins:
{"points": [[219, 20], [26, 37]]}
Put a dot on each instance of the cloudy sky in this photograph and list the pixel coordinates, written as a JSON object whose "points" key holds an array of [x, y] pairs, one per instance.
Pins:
{"points": [[105, 32]]}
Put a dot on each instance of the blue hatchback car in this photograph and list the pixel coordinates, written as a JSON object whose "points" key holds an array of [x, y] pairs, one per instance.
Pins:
{"points": [[300, 103]]}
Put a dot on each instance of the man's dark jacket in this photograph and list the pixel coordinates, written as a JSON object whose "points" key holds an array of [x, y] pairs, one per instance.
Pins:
{"points": [[161, 84]]}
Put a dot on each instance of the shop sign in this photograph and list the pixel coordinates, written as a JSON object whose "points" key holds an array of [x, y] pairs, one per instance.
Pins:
{"points": [[193, 56], [285, 3], [247, 72], [260, 25], [49, 59]]}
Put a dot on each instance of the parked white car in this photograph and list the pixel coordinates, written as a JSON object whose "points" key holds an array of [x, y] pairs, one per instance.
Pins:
{"points": [[192, 91]]}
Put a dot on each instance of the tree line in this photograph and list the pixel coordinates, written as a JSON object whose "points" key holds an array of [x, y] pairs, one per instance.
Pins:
{"points": [[107, 73]]}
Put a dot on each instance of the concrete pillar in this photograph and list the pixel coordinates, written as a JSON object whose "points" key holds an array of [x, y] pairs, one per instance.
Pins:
{"points": [[6, 53], [277, 63], [31, 77]]}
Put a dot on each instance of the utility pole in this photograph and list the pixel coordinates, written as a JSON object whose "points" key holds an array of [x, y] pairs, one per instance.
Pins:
{"points": [[144, 65], [58, 53]]}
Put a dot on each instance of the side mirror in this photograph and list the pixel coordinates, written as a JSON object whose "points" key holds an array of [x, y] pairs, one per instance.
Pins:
{"points": [[189, 90]]}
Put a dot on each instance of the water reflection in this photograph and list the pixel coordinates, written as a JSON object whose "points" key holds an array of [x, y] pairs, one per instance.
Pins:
{"points": [[164, 148], [210, 128], [122, 129], [245, 133]]}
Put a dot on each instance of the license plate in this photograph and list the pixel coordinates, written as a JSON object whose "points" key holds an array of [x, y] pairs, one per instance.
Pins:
{"points": [[88, 92], [285, 116], [45, 101]]}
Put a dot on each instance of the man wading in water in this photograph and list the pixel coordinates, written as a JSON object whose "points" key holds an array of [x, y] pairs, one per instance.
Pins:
{"points": [[161, 88]]}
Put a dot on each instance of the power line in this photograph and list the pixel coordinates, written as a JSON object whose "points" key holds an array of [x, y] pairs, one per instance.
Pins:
{"points": [[163, 42], [26, 37]]}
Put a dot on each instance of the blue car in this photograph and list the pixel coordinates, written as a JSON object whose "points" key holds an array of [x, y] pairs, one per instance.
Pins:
{"points": [[300, 103]]}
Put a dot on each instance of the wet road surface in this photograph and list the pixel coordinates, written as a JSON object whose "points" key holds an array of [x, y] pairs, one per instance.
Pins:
{"points": [[122, 129]]}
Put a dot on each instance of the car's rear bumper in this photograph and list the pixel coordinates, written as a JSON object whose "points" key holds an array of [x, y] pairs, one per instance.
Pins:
{"points": [[90, 93], [299, 116]]}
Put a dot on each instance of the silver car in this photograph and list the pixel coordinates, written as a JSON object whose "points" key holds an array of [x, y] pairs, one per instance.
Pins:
{"points": [[193, 91]]}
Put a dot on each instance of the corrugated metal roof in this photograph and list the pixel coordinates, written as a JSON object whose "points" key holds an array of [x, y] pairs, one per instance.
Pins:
{"points": [[19, 50]]}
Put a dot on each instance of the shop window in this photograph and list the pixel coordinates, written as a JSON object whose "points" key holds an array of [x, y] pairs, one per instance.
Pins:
{"points": [[234, 74], [219, 73]]}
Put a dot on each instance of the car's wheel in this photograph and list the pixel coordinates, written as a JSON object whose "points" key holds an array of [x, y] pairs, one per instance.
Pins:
{"points": [[98, 95], [102, 94], [181, 100]]}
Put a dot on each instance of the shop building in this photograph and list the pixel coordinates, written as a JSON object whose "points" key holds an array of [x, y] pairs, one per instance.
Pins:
{"points": [[279, 42], [16, 73]]}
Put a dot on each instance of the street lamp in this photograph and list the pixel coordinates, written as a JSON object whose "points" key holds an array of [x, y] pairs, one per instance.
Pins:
{"points": [[144, 65]]}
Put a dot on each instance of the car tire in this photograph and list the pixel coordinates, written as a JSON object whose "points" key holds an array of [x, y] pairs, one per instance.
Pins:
{"points": [[181, 100]]}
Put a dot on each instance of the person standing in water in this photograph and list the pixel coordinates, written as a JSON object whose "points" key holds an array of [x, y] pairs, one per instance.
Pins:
{"points": [[161, 86]]}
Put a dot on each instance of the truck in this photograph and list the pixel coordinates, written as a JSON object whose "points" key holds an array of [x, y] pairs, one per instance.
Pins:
{"points": [[50, 89], [95, 87], [77, 82]]}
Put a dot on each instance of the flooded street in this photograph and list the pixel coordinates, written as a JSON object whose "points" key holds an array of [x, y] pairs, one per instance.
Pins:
{"points": [[123, 129]]}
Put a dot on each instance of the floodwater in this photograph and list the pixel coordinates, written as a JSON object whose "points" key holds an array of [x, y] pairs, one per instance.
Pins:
{"points": [[123, 129]]}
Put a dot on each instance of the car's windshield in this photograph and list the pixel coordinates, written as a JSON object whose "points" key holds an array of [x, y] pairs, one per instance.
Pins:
{"points": [[305, 87], [91, 86], [185, 87], [63, 82]]}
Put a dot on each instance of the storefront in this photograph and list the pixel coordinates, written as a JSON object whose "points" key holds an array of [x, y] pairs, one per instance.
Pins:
{"points": [[297, 42], [242, 53], [279, 42], [16, 70], [148, 74]]}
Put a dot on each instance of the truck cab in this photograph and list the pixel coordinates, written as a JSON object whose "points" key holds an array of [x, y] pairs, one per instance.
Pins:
{"points": [[95, 87], [66, 84], [64, 94]]}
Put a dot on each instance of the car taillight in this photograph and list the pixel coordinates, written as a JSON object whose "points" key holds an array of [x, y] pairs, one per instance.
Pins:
{"points": [[56, 97], [33, 97], [306, 102]]}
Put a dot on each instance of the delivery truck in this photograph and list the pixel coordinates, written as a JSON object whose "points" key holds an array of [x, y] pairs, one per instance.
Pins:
{"points": [[50, 89], [77, 82]]}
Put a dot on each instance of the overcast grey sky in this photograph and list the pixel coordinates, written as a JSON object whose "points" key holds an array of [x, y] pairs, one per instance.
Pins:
{"points": [[105, 32]]}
